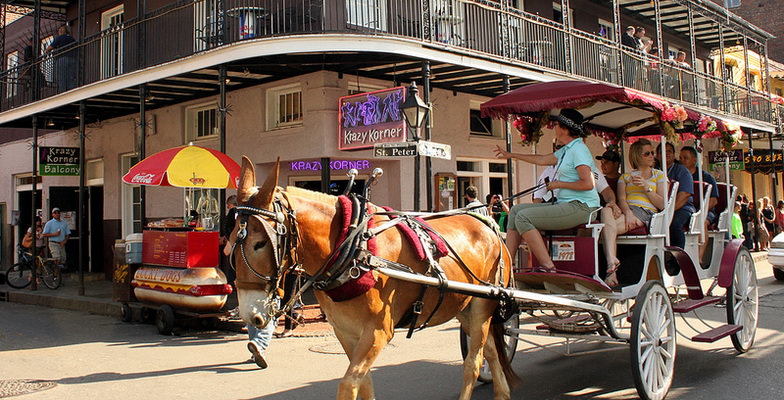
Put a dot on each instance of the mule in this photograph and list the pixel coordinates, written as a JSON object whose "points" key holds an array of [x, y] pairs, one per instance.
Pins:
{"points": [[366, 323]]}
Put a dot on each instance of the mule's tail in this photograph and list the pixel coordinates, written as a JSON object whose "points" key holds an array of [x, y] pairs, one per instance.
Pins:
{"points": [[497, 330]]}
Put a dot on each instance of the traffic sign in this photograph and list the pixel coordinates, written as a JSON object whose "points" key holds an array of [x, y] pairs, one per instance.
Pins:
{"points": [[404, 149], [437, 150]]}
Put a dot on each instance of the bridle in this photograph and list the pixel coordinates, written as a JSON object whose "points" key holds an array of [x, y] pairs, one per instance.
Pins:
{"points": [[283, 237]]}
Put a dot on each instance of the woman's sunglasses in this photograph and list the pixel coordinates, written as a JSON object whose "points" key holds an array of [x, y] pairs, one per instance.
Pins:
{"points": [[647, 153]]}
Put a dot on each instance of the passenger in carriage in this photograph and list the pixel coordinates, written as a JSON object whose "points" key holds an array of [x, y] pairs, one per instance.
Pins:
{"points": [[641, 193], [577, 196], [688, 158], [684, 207]]}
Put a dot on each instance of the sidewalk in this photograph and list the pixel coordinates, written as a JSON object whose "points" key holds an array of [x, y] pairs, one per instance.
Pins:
{"points": [[97, 299]]}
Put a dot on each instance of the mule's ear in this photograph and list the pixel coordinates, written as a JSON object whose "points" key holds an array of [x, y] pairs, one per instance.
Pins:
{"points": [[267, 191], [247, 181]]}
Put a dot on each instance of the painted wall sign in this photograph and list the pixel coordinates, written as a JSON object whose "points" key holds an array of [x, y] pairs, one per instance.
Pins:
{"points": [[53, 161], [369, 118], [335, 165], [764, 161]]}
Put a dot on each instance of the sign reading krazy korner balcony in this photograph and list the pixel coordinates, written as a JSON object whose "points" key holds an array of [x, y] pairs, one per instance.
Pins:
{"points": [[370, 118], [54, 161]]}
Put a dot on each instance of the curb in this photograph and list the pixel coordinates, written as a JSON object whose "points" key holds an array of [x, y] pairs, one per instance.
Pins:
{"points": [[91, 305]]}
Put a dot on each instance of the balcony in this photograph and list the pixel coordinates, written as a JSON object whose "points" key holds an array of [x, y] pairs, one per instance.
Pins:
{"points": [[478, 28]]}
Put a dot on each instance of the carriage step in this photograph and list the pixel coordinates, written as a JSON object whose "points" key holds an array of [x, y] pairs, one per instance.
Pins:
{"points": [[717, 333], [691, 305], [565, 324]]}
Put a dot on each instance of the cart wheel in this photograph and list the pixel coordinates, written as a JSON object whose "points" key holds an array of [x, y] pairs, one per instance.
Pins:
{"points": [[653, 342], [147, 314], [164, 319], [510, 346], [743, 301], [126, 313]]}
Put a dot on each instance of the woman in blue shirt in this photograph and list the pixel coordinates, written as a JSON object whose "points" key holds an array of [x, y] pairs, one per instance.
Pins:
{"points": [[574, 179]]}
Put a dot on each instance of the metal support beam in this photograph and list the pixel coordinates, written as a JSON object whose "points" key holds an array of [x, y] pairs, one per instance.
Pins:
{"points": [[776, 120], [619, 32], [222, 135], [428, 132], [567, 23], [82, 35], [36, 49], [508, 136], [659, 41], [722, 61], [693, 51], [83, 208], [326, 174], [142, 150], [34, 285]]}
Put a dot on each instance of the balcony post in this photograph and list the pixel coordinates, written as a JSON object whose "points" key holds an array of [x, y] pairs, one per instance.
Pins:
{"points": [[748, 77], [141, 10], [2, 50], [659, 43], [693, 51], [567, 24], [142, 150], [508, 137], [721, 69], [222, 132], [776, 119], [82, 35], [34, 283], [505, 49], [83, 208], [619, 32], [36, 86], [428, 160]]}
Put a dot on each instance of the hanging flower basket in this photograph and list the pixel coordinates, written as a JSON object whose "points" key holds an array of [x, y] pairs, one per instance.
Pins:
{"points": [[706, 128], [530, 128]]}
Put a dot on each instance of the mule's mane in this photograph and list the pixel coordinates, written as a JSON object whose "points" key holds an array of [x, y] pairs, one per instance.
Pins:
{"points": [[311, 195]]}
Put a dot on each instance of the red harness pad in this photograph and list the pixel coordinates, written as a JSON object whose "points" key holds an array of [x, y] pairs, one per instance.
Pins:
{"points": [[366, 279], [413, 239]]}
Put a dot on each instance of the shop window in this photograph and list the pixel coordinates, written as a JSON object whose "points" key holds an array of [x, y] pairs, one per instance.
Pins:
{"points": [[606, 29], [94, 173], [336, 186], [732, 3], [130, 198], [489, 176], [284, 107], [203, 208], [202, 122]]}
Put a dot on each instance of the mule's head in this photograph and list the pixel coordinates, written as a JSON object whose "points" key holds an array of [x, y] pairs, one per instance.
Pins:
{"points": [[259, 228]]}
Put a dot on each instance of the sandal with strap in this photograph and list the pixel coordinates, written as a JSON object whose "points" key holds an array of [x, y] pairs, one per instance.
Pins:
{"points": [[611, 279]]}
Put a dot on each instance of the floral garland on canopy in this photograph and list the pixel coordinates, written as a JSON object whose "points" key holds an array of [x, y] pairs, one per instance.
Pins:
{"points": [[530, 127], [671, 120], [731, 136]]}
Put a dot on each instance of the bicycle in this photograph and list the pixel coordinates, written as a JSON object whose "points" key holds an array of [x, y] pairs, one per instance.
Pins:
{"points": [[20, 275]]}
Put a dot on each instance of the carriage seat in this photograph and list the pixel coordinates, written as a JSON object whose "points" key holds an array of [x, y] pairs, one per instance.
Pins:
{"points": [[724, 206], [582, 230], [700, 214], [660, 222]]}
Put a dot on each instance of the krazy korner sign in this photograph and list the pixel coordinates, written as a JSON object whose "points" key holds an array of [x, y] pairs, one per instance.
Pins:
{"points": [[370, 118], [716, 158], [53, 161]]}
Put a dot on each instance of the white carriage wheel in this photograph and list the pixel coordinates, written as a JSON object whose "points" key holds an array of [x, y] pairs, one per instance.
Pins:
{"points": [[510, 347], [743, 301], [653, 344]]}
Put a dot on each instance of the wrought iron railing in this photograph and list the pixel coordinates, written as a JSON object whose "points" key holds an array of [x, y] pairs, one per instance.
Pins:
{"points": [[481, 27]]}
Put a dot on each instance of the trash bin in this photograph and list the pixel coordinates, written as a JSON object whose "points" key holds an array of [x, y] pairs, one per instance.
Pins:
{"points": [[123, 274]]}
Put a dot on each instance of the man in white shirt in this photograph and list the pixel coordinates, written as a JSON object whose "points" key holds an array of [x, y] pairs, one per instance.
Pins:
{"points": [[58, 233]]}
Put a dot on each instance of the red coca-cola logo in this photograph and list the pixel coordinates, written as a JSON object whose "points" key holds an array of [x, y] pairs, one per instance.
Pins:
{"points": [[142, 178]]}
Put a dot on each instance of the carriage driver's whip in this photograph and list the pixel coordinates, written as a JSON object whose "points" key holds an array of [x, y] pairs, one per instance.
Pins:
{"points": [[514, 196]]}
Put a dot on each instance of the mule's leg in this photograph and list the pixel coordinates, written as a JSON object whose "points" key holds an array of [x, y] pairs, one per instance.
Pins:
{"points": [[501, 388], [362, 353]]}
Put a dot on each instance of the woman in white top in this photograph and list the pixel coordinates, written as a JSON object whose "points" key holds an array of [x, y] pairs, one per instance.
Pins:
{"points": [[640, 194]]}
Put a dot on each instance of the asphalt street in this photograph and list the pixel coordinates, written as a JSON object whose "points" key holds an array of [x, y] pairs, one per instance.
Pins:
{"points": [[83, 356]]}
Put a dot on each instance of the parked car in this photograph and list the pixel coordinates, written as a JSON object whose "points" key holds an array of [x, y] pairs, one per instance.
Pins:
{"points": [[776, 256]]}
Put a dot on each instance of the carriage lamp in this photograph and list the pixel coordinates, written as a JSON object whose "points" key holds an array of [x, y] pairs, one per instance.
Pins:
{"points": [[414, 109]]}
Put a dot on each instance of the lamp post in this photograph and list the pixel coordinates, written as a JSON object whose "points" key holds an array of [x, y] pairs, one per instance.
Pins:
{"points": [[415, 111]]}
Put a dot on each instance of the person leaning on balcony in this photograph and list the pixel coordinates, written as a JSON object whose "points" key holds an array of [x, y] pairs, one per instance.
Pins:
{"points": [[577, 196], [628, 39], [65, 64]]}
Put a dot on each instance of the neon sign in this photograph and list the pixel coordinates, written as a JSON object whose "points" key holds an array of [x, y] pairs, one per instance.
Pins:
{"points": [[335, 165], [370, 118]]}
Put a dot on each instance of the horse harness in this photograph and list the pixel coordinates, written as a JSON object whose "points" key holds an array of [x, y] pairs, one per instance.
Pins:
{"points": [[350, 258]]}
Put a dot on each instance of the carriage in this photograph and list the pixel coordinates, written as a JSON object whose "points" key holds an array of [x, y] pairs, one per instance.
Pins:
{"points": [[277, 228]]}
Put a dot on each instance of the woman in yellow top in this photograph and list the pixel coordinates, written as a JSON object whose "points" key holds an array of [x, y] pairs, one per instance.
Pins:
{"points": [[640, 195]]}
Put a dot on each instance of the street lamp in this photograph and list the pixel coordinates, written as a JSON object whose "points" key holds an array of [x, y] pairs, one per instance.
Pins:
{"points": [[415, 111]]}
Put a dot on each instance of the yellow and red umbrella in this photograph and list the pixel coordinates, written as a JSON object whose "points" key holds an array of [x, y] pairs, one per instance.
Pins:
{"points": [[186, 167]]}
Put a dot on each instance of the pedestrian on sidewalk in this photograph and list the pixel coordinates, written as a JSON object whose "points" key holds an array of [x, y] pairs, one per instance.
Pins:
{"points": [[57, 231], [258, 339]]}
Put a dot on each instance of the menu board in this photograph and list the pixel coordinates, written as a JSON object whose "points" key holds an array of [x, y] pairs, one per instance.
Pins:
{"points": [[180, 249]]}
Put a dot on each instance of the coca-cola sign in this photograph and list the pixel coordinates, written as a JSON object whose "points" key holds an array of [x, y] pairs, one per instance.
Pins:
{"points": [[143, 179]]}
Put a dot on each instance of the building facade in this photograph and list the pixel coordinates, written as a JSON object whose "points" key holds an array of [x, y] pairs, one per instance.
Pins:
{"points": [[270, 79]]}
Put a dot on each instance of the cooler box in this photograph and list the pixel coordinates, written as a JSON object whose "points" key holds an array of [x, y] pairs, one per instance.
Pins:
{"points": [[133, 248]]}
